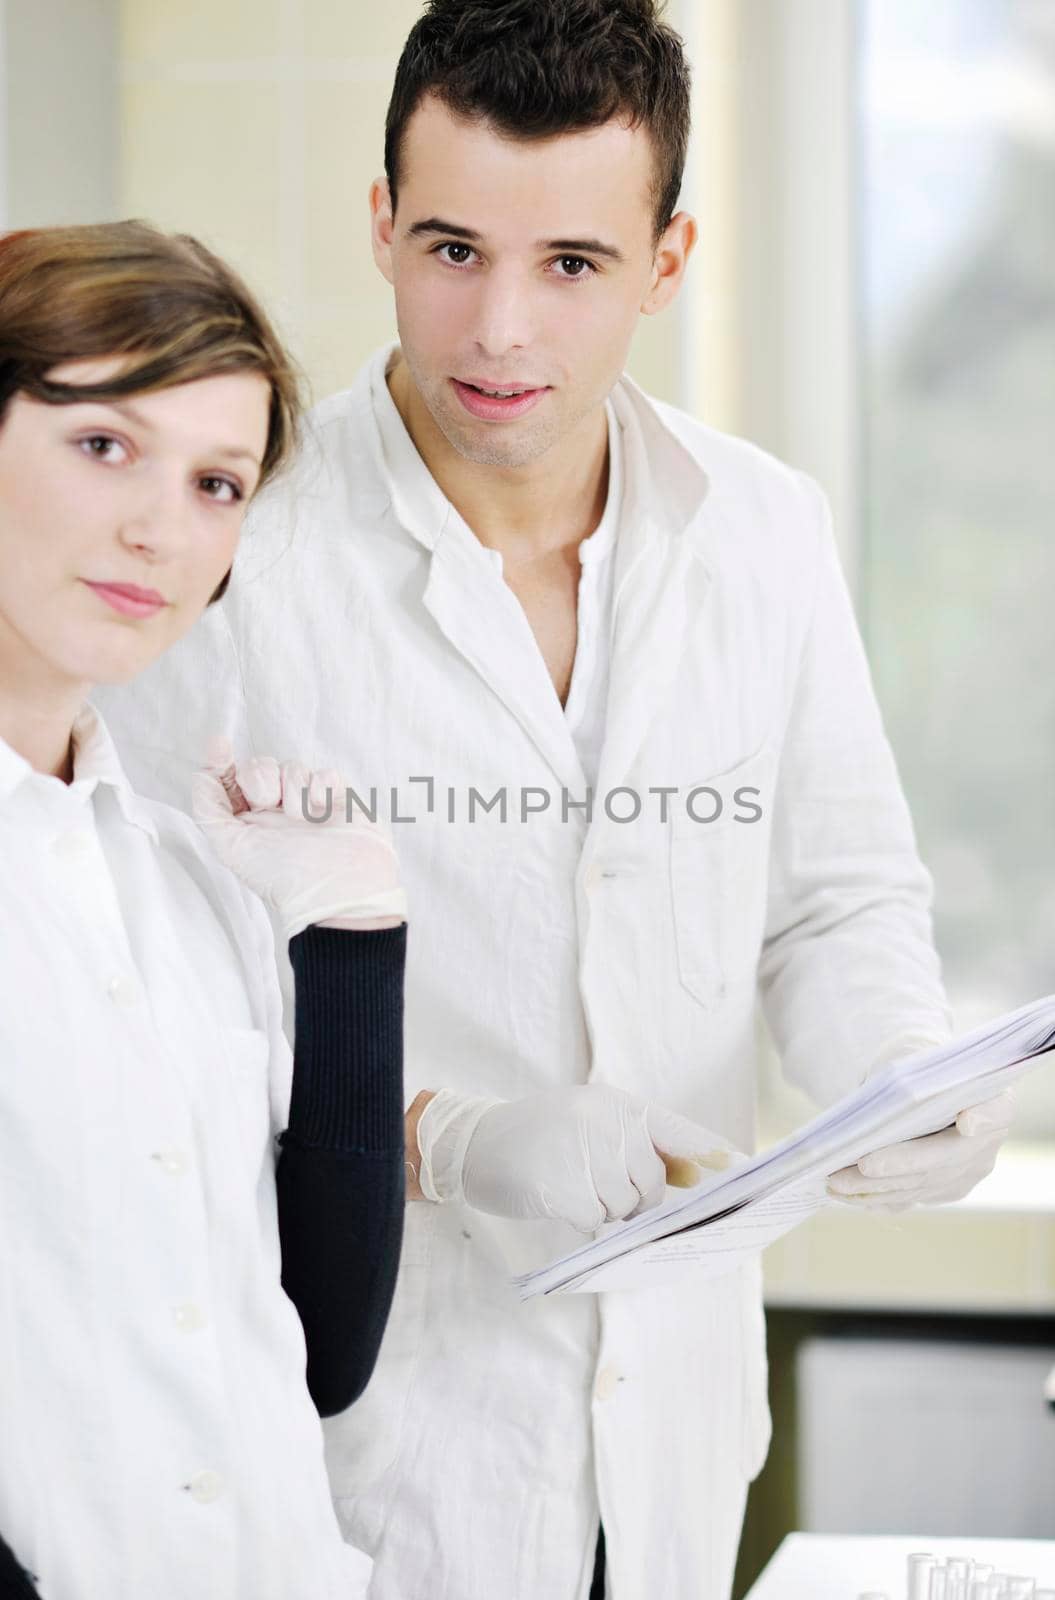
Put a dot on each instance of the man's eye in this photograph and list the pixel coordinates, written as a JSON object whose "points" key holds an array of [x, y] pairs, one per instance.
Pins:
{"points": [[575, 267], [459, 254], [221, 490]]}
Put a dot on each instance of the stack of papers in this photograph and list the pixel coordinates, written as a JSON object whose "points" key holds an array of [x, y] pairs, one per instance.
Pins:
{"points": [[732, 1215]]}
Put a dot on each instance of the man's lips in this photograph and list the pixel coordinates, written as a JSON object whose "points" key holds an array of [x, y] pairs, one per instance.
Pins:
{"points": [[129, 598], [481, 399]]}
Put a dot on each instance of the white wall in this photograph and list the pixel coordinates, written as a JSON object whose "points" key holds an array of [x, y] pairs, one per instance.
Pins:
{"points": [[59, 111]]}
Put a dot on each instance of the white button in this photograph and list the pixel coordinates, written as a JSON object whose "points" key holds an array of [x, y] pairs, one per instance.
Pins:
{"points": [[122, 991], [592, 876], [608, 1381], [173, 1163], [73, 845], [189, 1318], [205, 1487]]}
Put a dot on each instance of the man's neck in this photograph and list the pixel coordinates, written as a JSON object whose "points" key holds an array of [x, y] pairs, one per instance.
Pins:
{"points": [[526, 512]]}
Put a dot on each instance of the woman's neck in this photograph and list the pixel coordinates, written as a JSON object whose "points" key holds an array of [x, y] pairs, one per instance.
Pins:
{"points": [[38, 727], [38, 705]]}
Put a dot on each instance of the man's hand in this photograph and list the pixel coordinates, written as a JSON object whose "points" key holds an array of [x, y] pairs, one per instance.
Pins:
{"points": [[584, 1155], [336, 873], [929, 1171]]}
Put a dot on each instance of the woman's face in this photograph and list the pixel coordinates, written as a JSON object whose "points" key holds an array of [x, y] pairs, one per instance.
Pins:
{"points": [[118, 519]]}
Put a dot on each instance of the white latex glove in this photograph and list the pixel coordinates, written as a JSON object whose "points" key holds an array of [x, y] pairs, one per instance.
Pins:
{"points": [[584, 1155], [338, 872], [931, 1170]]}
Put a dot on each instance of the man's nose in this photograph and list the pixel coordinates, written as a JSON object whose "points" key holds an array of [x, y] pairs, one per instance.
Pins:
{"points": [[504, 315]]}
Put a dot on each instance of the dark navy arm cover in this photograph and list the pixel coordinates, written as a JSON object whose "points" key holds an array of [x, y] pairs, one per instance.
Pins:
{"points": [[15, 1582], [340, 1169]]}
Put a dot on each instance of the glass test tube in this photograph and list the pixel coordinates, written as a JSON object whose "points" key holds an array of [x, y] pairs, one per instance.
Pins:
{"points": [[956, 1570], [919, 1569]]}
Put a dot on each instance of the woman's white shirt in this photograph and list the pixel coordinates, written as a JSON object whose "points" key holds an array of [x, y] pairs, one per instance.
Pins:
{"points": [[158, 1437]]}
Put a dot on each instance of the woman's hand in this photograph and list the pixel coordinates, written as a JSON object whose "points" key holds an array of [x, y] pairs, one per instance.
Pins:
{"points": [[334, 871]]}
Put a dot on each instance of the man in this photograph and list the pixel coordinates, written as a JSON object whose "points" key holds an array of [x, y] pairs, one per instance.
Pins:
{"points": [[504, 578]]}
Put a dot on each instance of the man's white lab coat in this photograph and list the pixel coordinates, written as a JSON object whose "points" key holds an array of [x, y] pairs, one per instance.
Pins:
{"points": [[367, 629]]}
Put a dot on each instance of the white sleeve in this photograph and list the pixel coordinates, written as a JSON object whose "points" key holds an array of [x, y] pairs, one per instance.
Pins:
{"points": [[849, 974]]}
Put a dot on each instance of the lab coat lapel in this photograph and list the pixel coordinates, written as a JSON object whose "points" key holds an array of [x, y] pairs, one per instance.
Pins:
{"points": [[662, 582], [665, 594], [481, 617]]}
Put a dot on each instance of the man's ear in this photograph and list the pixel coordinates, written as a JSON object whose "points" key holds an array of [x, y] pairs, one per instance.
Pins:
{"points": [[671, 257], [381, 226]]}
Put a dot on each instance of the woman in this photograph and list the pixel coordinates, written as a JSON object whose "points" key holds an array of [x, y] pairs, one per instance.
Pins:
{"points": [[157, 1435]]}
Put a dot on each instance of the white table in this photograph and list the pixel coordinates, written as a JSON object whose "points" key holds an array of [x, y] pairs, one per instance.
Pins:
{"points": [[821, 1566]]}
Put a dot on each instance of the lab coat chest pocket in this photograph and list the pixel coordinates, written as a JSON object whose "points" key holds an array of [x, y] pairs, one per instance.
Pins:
{"points": [[719, 847]]}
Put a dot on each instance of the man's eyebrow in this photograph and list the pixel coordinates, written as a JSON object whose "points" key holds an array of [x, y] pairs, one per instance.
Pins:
{"points": [[582, 247], [430, 226]]}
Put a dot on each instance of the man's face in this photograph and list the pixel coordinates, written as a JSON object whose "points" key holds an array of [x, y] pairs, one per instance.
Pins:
{"points": [[518, 266]]}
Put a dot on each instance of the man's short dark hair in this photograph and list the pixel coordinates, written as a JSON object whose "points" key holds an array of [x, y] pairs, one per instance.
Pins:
{"points": [[535, 68]]}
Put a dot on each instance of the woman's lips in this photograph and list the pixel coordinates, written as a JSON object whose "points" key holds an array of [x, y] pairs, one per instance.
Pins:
{"points": [[129, 600], [489, 408]]}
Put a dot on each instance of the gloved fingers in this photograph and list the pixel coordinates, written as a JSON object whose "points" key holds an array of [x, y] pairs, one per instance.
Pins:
{"points": [[211, 804], [295, 800], [675, 1135], [897, 1201], [648, 1201], [619, 1198], [644, 1165], [585, 1214], [260, 782], [850, 1183], [649, 1178], [929, 1153], [219, 762], [957, 1184], [934, 1186], [991, 1116]]}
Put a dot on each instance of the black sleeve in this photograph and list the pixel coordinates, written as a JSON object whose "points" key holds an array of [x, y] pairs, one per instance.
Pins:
{"points": [[15, 1582], [340, 1169]]}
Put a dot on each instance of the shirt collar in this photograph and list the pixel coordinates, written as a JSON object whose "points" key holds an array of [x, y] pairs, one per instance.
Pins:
{"points": [[600, 542], [662, 478], [417, 499], [659, 473], [95, 762]]}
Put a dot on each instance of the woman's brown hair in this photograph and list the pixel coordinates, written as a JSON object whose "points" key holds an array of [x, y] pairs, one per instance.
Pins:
{"points": [[174, 310]]}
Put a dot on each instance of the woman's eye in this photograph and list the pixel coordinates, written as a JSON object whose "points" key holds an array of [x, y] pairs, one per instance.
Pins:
{"points": [[103, 447], [575, 267], [221, 490], [459, 254]]}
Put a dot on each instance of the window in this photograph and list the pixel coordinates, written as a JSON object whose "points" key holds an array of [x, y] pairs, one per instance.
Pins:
{"points": [[956, 292]]}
